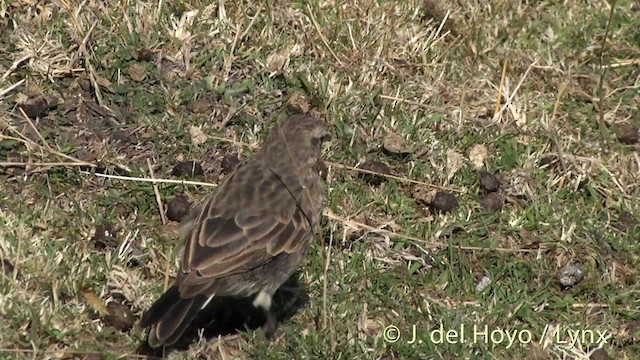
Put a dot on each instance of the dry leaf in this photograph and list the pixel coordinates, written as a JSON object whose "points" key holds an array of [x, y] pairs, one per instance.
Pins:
{"points": [[478, 154], [396, 144], [279, 62], [424, 194], [94, 302], [198, 137], [454, 163], [21, 98], [299, 102], [103, 82]]}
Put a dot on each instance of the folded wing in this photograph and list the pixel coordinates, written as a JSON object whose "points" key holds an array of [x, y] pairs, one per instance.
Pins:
{"points": [[239, 229]]}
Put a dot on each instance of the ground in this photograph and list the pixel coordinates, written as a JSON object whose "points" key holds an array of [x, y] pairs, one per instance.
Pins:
{"points": [[96, 97]]}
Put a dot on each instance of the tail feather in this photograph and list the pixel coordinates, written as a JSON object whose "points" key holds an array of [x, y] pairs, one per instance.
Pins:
{"points": [[169, 317], [160, 306]]}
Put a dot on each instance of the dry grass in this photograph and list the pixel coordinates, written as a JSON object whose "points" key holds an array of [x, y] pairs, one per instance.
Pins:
{"points": [[534, 92]]}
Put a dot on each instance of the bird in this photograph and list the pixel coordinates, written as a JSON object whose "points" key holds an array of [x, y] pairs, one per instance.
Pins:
{"points": [[249, 236]]}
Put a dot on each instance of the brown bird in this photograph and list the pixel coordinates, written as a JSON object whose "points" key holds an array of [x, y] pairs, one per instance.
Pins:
{"points": [[249, 236]]}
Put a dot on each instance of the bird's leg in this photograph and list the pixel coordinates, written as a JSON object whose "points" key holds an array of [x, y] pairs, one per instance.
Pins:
{"points": [[263, 301], [271, 325]]}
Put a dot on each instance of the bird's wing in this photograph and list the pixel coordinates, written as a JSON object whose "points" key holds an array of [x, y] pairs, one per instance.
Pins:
{"points": [[252, 218]]}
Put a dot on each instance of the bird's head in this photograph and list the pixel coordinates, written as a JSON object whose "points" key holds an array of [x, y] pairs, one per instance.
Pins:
{"points": [[298, 138]]}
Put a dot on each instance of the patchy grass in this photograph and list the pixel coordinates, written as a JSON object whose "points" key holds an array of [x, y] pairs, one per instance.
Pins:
{"points": [[525, 91]]}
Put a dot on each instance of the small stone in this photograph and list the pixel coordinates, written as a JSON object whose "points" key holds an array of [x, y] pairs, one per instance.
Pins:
{"points": [[483, 283], [168, 75], [626, 222], [201, 106], [444, 201], [137, 72], [229, 163], [119, 316], [105, 237], [377, 167], [6, 267], [178, 208], [627, 134], [571, 274], [188, 169], [600, 354], [492, 202]]}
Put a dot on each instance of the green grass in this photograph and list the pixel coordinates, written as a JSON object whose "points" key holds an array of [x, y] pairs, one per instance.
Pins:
{"points": [[368, 68]]}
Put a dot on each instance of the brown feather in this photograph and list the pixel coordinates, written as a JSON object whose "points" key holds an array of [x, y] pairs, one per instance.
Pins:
{"points": [[250, 234]]}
